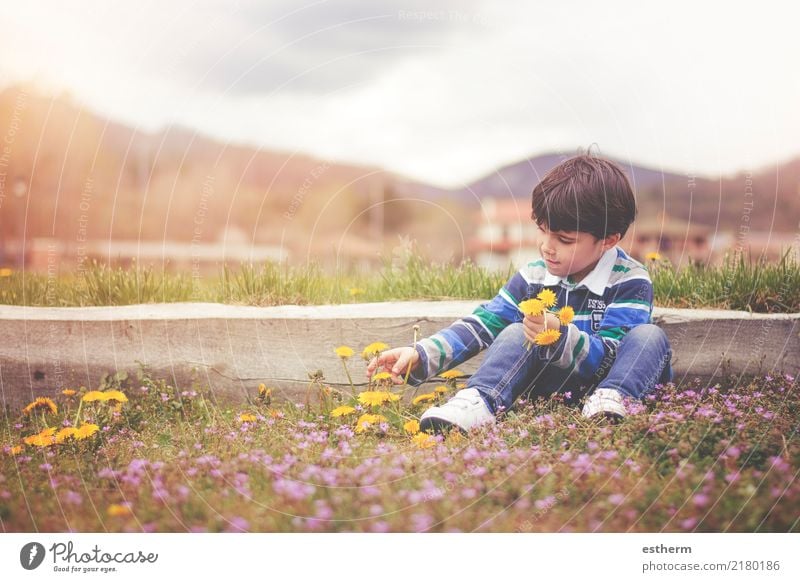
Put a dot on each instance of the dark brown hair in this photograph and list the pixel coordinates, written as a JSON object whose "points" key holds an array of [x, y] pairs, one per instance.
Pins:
{"points": [[587, 194]]}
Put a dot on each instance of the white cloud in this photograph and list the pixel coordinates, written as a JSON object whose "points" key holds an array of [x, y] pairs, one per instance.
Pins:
{"points": [[443, 95]]}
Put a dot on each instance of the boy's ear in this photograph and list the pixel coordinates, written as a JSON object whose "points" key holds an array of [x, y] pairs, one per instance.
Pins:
{"points": [[611, 240]]}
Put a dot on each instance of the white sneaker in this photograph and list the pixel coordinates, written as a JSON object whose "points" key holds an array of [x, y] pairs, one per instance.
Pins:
{"points": [[605, 402], [464, 410]]}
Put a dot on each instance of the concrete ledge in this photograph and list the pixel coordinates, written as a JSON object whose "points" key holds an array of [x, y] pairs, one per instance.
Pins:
{"points": [[231, 349]]}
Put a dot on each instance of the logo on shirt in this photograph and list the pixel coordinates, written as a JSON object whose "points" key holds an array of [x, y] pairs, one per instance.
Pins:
{"points": [[596, 304], [597, 317], [598, 307]]}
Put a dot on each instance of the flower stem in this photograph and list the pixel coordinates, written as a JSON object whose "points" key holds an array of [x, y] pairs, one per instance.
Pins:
{"points": [[346, 371], [408, 371], [78, 414]]}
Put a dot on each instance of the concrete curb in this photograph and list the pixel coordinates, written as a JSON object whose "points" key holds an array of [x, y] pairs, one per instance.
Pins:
{"points": [[231, 349]]}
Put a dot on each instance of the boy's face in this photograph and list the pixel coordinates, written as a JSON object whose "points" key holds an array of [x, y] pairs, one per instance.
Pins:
{"points": [[571, 252]]}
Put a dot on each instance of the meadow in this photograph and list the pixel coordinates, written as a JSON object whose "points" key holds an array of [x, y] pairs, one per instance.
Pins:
{"points": [[141, 455]]}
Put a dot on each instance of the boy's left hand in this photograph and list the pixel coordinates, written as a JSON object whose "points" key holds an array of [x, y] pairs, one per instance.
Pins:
{"points": [[535, 324]]}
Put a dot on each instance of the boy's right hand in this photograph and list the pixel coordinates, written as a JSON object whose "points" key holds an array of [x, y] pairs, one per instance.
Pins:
{"points": [[395, 362]]}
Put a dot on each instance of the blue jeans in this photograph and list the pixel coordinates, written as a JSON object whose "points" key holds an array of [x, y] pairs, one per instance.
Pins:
{"points": [[509, 370]]}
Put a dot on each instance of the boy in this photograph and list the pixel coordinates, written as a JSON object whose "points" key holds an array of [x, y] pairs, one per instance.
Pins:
{"points": [[582, 208]]}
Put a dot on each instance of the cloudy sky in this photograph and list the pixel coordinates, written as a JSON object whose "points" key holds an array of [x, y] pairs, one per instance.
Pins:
{"points": [[441, 91]]}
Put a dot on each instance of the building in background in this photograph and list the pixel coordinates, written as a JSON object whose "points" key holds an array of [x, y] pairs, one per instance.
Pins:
{"points": [[505, 235], [675, 239], [44, 255]]}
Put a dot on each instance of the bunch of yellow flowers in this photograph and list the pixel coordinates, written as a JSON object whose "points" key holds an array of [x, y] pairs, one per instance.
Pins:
{"points": [[540, 306]]}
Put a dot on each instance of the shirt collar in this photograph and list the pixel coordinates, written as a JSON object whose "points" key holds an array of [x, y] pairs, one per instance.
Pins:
{"points": [[597, 279]]}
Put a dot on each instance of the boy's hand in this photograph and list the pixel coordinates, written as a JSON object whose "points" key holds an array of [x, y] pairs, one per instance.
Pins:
{"points": [[535, 324], [395, 362]]}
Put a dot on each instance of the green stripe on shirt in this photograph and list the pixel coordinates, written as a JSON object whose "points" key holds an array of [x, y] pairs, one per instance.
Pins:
{"points": [[492, 322], [509, 297], [612, 332], [442, 353], [575, 352]]}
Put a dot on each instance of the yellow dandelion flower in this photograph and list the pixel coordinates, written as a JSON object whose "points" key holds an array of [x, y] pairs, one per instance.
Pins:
{"points": [[41, 402], [423, 440], [93, 396], [39, 440], [356, 291], [547, 337], [652, 256], [411, 427], [376, 398], [342, 411], [344, 352], [274, 413], [65, 433], [532, 307], [86, 430], [118, 510], [451, 374], [44, 439], [423, 398], [246, 417], [547, 297], [15, 450], [69, 392], [264, 393], [114, 395], [566, 314], [461, 385], [440, 389], [371, 398], [367, 420], [374, 349], [6, 272], [382, 376]]}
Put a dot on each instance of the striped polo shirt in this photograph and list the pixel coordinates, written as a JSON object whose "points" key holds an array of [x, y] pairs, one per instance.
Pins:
{"points": [[614, 297]]}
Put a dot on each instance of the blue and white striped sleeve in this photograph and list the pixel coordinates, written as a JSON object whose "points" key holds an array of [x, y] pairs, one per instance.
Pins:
{"points": [[467, 336]]}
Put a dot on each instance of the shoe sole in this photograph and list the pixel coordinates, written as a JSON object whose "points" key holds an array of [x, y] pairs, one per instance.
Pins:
{"points": [[604, 407], [439, 425]]}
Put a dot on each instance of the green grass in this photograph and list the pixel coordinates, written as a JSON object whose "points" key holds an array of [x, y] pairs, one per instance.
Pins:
{"points": [[739, 283]]}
